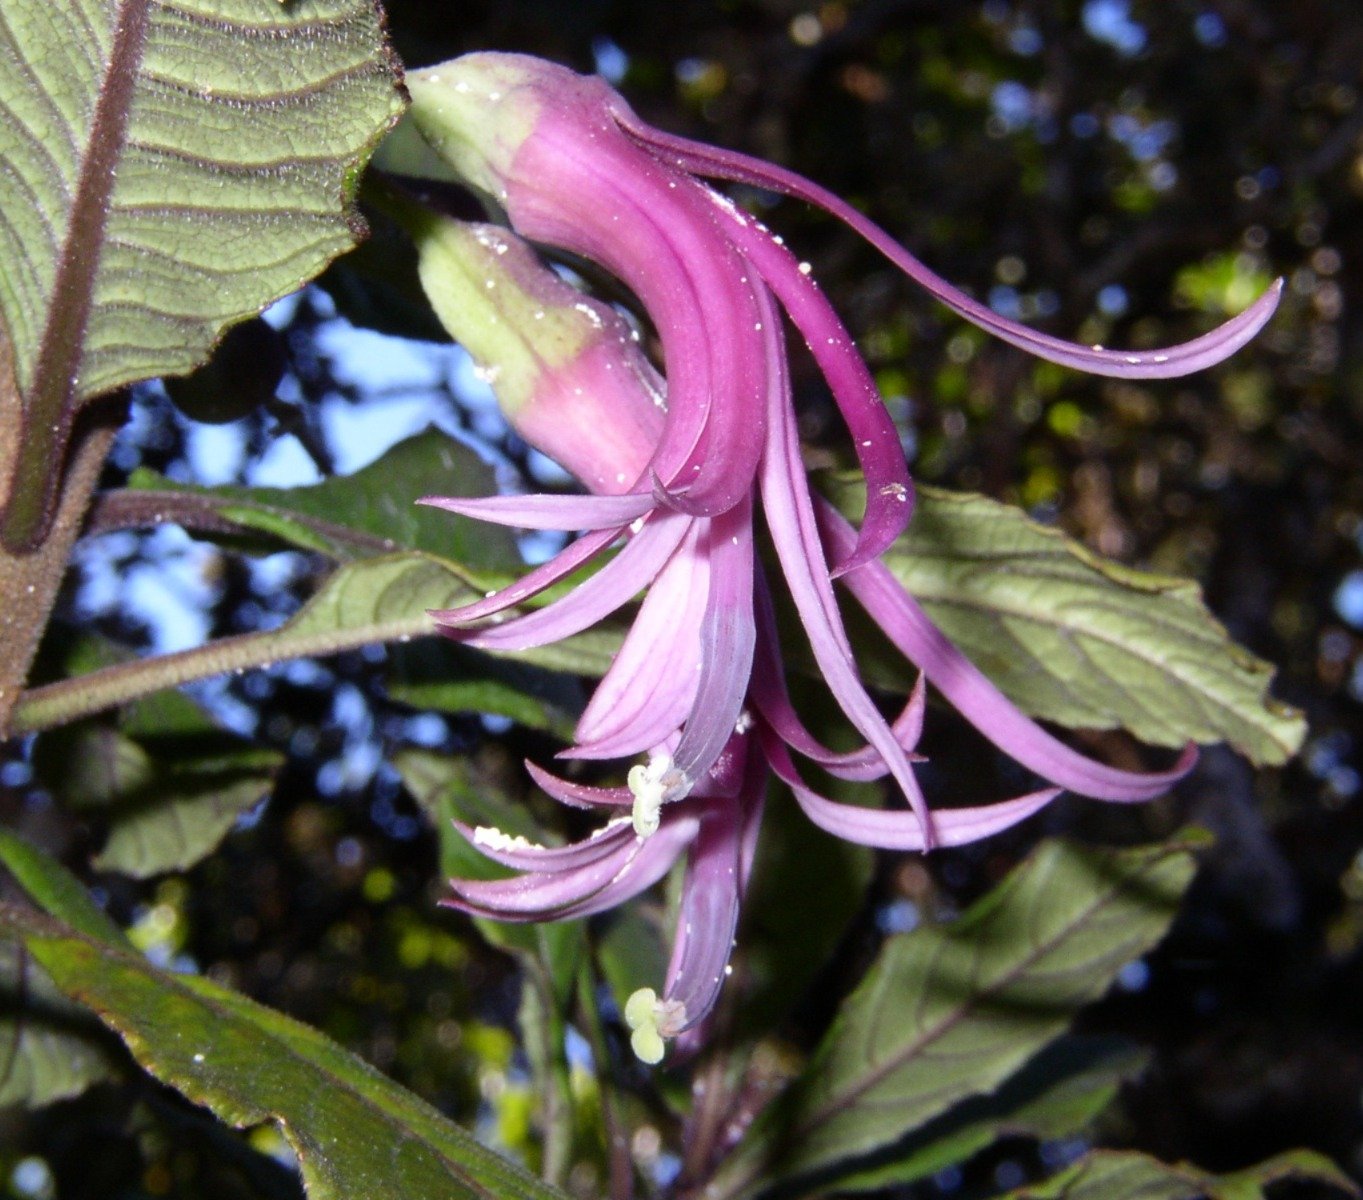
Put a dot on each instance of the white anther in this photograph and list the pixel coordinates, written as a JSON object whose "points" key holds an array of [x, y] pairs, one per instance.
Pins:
{"points": [[646, 785]]}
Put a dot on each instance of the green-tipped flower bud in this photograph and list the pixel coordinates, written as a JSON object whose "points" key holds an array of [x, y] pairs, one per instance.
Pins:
{"points": [[565, 368]]}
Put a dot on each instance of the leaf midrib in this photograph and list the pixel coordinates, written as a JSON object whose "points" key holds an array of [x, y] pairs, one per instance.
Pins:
{"points": [[840, 1100], [48, 408], [214, 1004]]}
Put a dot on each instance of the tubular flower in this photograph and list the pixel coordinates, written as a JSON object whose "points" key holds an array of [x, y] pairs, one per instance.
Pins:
{"points": [[676, 472]]}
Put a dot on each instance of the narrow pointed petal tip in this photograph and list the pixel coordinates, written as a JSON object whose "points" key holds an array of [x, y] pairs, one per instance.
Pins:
{"points": [[1166, 363], [565, 514]]}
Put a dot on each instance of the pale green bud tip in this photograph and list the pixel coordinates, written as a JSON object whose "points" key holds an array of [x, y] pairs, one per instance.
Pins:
{"points": [[519, 321], [475, 112]]}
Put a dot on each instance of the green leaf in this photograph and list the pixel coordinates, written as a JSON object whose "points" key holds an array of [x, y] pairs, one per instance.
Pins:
{"points": [[1058, 1094], [951, 1011], [170, 169], [371, 512], [50, 1048], [550, 953], [807, 888], [57, 891], [453, 678], [1110, 1175], [1077, 639], [169, 783], [381, 599], [631, 951], [355, 1133]]}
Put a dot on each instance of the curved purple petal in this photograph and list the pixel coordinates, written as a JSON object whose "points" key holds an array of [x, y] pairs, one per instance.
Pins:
{"points": [[579, 795], [726, 639], [790, 518], [889, 490], [532, 582], [654, 228], [566, 513], [520, 855], [618, 582], [1168, 362], [635, 865], [708, 915], [651, 685], [901, 831], [771, 699], [977, 699]]}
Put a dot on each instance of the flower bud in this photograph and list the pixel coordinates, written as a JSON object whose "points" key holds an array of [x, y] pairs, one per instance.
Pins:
{"points": [[566, 370]]}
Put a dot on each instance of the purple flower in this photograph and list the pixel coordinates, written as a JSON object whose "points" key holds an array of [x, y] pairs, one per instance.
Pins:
{"points": [[698, 685]]}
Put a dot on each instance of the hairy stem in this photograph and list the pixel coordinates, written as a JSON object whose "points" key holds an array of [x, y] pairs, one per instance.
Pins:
{"points": [[29, 579]]}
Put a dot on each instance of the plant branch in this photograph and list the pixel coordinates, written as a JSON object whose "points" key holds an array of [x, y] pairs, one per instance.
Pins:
{"points": [[70, 699], [29, 579]]}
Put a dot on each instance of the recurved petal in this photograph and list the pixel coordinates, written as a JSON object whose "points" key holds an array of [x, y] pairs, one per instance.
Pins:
{"points": [[566, 513], [975, 697], [790, 518], [771, 699], [708, 915], [533, 582], [633, 865], [889, 490], [579, 795], [1164, 363], [901, 830], [618, 582], [651, 685], [726, 642], [521, 855]]}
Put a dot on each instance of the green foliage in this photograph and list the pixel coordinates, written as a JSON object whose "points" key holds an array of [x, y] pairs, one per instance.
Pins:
{"points": [[353, 1131], [1057, 1094], [1109, 1175], [396, 561], [949, 1012], [373, 511], [452, 678], [167, 781], [170, 170], [50, 1048], [1080, 640], [794, 918]]}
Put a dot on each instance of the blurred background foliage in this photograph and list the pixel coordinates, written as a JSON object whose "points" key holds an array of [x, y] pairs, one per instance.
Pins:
{"points": [[1121, 172]]}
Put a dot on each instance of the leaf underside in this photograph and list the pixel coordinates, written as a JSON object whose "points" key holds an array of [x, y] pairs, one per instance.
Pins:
{"points": [[1078, 639], [169, 168]]}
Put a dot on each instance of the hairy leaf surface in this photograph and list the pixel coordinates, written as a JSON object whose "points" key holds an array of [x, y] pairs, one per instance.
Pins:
{"points": [[1080, 640], [355, 1133], [169, 168]]}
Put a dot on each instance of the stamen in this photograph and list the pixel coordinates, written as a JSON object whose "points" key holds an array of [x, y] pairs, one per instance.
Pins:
{"points": [[651, 786], [650, 1021]]}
